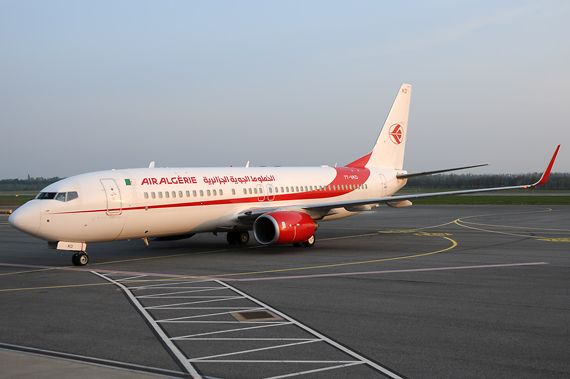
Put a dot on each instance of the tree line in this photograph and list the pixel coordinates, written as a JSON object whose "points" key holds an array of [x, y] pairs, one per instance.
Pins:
{"points": [[30, 184], [556, 181]]}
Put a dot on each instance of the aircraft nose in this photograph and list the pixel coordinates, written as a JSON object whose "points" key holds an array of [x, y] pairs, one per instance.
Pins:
{"points": [[26, 218]]}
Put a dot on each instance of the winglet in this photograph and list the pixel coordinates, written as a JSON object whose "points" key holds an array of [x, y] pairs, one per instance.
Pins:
{"points": [[546, 173]]}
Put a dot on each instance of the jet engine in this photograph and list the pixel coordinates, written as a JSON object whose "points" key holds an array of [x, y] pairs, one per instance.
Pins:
{"points": [[283, 227]]}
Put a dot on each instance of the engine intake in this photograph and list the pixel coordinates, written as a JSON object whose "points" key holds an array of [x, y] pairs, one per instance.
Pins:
{"points": [[283, 227]]}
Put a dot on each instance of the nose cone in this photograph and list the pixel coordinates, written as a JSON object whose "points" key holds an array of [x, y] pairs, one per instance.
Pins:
{"points": [[26, 218]]}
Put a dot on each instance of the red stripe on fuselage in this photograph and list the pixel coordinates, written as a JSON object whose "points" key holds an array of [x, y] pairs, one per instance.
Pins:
{"points": [[345, 176]]}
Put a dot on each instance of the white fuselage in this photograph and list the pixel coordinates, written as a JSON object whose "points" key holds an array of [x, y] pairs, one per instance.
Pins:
{"points": [[156, 202]]}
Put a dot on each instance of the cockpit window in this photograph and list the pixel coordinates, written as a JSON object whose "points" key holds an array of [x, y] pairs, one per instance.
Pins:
{"points": [[46, 195], [60, 196]]}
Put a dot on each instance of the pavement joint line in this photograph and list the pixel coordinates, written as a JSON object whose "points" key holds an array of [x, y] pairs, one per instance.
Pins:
{"points": [[91, 360]]}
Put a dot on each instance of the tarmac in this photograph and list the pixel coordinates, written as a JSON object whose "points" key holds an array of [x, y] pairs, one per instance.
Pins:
{"points": [[418, 292]]}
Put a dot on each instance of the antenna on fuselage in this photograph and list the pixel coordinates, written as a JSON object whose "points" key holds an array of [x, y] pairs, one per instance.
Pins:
{"points": [[151, 165], [247, 164]]}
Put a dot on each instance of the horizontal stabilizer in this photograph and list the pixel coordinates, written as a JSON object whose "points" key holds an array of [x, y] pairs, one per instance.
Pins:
{"points": [[406, 176]]}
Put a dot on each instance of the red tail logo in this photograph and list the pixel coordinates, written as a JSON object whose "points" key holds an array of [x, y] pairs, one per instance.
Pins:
{"points": [[396, 133]]}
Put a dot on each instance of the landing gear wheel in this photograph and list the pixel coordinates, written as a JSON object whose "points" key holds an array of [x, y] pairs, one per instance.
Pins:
{"points": [[310, 242], [232, 238], [237, 238], [243, 238], [80, 259]]}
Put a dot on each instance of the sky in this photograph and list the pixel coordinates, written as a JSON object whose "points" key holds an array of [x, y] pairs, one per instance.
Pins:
{"points": [[97, 85]]}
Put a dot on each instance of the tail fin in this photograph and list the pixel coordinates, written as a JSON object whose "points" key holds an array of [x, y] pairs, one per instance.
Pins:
{"points": [[389, 149]]}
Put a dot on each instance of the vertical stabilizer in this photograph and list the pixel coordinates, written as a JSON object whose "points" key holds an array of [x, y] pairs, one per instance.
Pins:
{"points": [[389, 149]]}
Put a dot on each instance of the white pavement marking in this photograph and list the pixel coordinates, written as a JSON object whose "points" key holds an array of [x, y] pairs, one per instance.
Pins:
{"points": [[191, 336], [208, 315], [283, 342], [209, 358], [181, 292], [179, 355], [167, 306], [340, 347], [315, 370]]}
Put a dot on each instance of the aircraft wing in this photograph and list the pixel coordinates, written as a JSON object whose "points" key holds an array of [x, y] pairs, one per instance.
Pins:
{"points": [[398, 199], [317, 211]]}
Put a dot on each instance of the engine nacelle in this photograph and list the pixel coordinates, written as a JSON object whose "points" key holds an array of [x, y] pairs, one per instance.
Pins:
{"points": [[283, 227]]}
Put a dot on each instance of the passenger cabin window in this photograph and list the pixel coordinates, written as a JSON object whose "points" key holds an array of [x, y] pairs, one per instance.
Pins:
{"points": [[194, 193], [153, 195], [166, 194], [160, 194], [221, 193], [187, 194], [180, 193], [233, 191], [201, 193], [245, 191], [146, 195], [215, 193]]}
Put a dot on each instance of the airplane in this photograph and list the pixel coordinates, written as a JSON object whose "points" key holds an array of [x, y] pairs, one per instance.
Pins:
{"points": [[280, 205]]}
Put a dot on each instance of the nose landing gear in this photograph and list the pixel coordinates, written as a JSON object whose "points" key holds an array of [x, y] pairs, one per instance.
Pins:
{"points": [[80, 258]]}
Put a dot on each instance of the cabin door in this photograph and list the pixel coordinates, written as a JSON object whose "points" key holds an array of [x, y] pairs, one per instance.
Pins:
{"points": [[113, 194]]}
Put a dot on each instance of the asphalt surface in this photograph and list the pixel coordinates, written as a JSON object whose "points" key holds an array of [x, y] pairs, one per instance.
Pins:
{"points": [[419, 292]]}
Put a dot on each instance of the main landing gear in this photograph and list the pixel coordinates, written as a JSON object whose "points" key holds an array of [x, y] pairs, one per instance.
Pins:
{"points": [[308, 243], [80, 258], [238, 238]]}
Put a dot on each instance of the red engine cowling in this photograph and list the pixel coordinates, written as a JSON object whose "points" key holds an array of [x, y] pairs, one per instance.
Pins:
{"points": [[283, 227]]}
